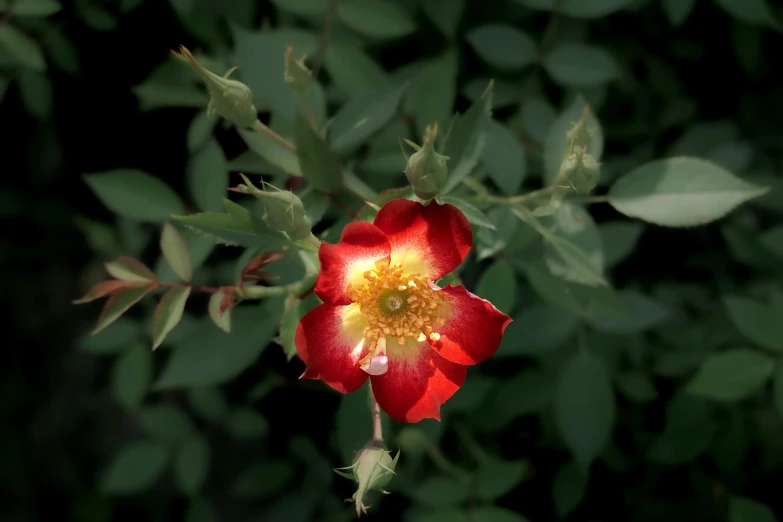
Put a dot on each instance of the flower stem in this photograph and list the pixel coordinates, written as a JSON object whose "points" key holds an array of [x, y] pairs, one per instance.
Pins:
{"points": [[292, 289], [375, 411], [272, 135]]}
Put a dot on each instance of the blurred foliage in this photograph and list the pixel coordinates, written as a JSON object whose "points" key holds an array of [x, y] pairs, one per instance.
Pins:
{"points": [[656, 396]]}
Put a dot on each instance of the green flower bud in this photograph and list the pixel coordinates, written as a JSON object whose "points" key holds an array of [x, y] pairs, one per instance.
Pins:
{"points": [[230, 99], [372, 469], [426, 170], [296, 73], [579, 171], [284, 211]]}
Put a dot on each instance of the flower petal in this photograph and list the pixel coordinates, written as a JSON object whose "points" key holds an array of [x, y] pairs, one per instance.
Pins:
{"points": [[414, 389], [330, 341], [432, 240], [473, 328], [360, 246]]}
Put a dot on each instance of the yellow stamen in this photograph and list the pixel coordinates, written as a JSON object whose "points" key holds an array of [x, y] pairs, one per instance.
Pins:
{"points": [[398, 305]]}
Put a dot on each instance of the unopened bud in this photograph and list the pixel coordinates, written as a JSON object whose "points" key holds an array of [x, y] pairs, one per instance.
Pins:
{"points": [[230, 99], [372, 469], [284, 211], [296, 73], [426, 170], [579, 171]]}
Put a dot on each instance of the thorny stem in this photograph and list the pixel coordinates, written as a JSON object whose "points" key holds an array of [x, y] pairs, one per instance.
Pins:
{"points": [[375, 411], [204, 289], [260, 292], [272, 135]]}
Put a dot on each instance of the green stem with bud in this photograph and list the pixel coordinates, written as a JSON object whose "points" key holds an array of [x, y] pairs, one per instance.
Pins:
{"points": [[272, 135], [375, 411]]}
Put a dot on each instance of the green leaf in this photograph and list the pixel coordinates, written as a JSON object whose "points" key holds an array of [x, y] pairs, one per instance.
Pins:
{"points": [[129, 269], [262, 480], [578, 8], [135, 468], [573, 250], [236, 227], [498, 285], [208, 402], [757, 322], [536, 330], [773, 240], [377, 19], [200, 130], [165, 422], [197, 362], [168, 313], [505, 159], [191, 465], [135, 194], [467, 137], [259, 56], [200, 511], [222, 319], [207, 177], [154, 95], [319, 164], [618, 239], [444, 14], [584, 407], [175, 251], [197, 248], [363, 116], [568, 488], [131, 376], [432, 94], [496, 478], [474, 215], [22, 48], [537, 117], [441, 491], [637, 386], [35, 90], [680, 192], [777, 389], [292, 313], [637, 313], [271, 151], [557, 138], [688, 432], [303, 7], [742, 509], [111, 340], [246, 423], [580, 65], [677, 11], [754, 12], [30, 7], [352, 70], [119, 303], [503, 46], [731, 375]]}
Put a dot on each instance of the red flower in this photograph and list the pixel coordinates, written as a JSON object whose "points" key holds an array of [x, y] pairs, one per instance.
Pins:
{"points": [[384, 318]]}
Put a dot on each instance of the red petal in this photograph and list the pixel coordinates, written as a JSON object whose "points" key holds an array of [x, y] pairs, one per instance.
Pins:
{"points": [[412, 391], [327, 338], [361, 245], [473, 329], [432, 240]]}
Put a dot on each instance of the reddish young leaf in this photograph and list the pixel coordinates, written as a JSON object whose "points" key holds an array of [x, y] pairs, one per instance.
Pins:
{"points": [[221, 316], [253, 272], [105, 288], [129, 269], [119, 303], [168, 313]]}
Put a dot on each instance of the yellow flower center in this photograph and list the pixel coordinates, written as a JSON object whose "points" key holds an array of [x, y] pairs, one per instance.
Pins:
{"points": [[397, 305]]}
